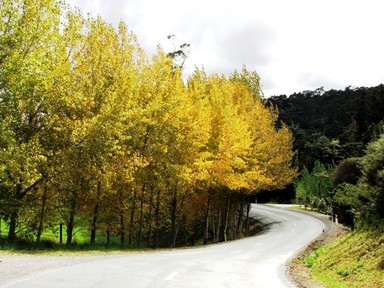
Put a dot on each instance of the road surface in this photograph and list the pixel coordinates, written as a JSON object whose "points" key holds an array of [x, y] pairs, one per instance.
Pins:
{"points": [[258, 261]]}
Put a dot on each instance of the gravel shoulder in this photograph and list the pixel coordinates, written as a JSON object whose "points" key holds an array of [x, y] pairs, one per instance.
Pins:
{"points": [[16, 266]]}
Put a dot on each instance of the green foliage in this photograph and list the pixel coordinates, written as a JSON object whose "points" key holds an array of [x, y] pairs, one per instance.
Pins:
{"points": [[311, 259], [356, 190], [302, 186], [348, 171], [373, 175], [315, 188], [29, 38], [364, 199], [346, 202], [348, 118], [346, 197]]}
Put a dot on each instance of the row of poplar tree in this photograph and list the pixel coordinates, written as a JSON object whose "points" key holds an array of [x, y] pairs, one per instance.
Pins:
{"points": [[93, 129]]}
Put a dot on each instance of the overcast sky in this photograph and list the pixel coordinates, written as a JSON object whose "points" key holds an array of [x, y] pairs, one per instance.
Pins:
{"points": [[293, 45]]}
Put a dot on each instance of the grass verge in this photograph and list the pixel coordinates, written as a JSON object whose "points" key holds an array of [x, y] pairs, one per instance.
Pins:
{"points": [[49, 247], [355, 260]]}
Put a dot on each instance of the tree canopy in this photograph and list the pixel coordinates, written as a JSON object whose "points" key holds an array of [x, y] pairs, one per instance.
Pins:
{"points": [[95, 131], [332, 125], [341, 128]]}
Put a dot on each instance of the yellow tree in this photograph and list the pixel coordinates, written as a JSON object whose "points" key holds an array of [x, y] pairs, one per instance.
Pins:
{"points": [[246, 153], [168, 134], [229, 140], [29, 57], [118, 116], [102, 87], [270, 159]]}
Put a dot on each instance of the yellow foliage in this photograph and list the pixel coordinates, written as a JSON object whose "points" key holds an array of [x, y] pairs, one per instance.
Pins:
{"points": [[88, 114], [245, 149]]}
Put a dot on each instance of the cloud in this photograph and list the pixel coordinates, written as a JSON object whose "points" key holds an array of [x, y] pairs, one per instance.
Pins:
{"points": [[309, 81], [293, 45], [249, 44]]}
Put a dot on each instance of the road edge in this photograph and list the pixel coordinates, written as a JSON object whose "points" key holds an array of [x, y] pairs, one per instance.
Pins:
{"points": [[299, 273]]}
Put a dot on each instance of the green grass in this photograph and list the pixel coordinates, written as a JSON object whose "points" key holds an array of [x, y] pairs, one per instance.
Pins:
{"points": [[311, 259], [50, 242], [355, 260], [46, 247], [54, 247], [300, 208], [4, 229]]}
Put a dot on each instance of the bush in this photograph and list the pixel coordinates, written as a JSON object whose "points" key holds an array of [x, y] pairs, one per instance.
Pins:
{"points": [[348, 171]]}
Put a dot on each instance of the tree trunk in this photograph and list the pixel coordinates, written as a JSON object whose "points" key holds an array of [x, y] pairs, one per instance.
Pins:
{"points": [[14, 215], [217, 239], [157, 218], [15, 210], [173, 220], [247, 220], [233, 226], [180, 203], [149, 237], [241, 218], [122, 232], [40, 228], [226, 220], [71, 219], [70, 227], [207, 216], [132, 218], [12, 225], [94, 223], [141, 216], [122, 219], [185, 231], [213, 228], [95, 214]]}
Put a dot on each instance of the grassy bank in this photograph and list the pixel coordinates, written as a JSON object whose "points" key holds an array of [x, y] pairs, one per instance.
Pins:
{"points": [[355, 260]]}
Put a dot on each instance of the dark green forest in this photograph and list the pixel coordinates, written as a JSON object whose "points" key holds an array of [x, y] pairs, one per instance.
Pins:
{"points": [[332, 125], [336, 133]]}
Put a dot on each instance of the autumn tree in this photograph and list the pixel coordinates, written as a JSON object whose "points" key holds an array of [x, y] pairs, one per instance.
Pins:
{"points": [[244, 151], [102, 133], [28, 38]]}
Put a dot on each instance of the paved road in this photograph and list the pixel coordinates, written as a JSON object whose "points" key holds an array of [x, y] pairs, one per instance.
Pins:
{"points": [[257, 261]]}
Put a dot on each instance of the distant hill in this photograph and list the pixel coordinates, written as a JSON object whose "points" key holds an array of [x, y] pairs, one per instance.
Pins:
{"points": [[331, 125]]}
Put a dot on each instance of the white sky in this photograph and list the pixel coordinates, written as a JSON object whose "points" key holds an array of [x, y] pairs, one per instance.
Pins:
{"points": [[293, 45]]}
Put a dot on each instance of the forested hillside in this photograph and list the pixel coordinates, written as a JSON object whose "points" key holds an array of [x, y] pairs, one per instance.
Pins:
{"points": [[96, 134], [338, 140], [332, 125]]}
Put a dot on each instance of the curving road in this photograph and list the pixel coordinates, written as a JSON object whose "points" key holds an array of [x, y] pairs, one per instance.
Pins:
{"points": [[258, 261]]}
